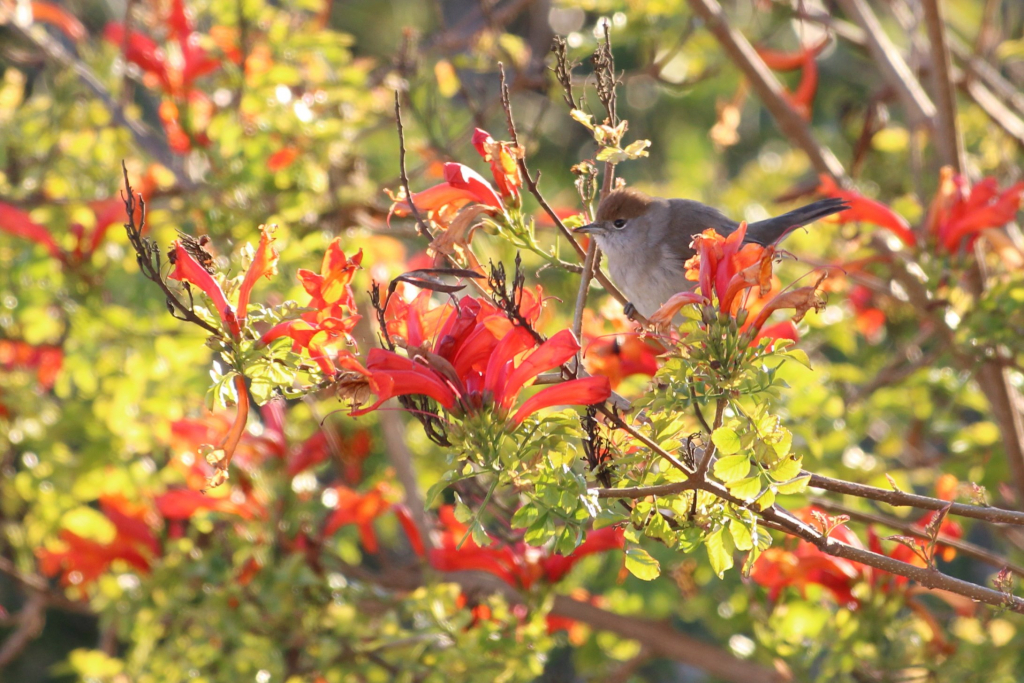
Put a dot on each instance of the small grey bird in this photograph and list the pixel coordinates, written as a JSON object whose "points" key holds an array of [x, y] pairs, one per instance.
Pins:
{"points": [[646, 240]]}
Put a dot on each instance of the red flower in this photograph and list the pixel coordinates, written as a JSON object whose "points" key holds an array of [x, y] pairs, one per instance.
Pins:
{"points": [[45, 359], [599, 541], [864, 210], [16, 222], [325, 330], [960, 211], [49, 13], [282, 159], [462, 186], [83, 560], [804, 59], [470, 369], [502, 157], [144, 52], [618, 355], [182, 504], [360, 509]]}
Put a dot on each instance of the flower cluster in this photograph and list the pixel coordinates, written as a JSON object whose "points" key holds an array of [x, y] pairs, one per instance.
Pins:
{"points": [[474, 360], [460, 204], [324, 330], [735, 280]]}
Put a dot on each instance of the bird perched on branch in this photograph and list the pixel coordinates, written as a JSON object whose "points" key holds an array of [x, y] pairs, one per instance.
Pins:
{"points": [[646, 240]]}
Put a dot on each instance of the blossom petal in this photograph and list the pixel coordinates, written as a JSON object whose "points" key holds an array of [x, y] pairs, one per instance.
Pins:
{"points": [[16, 222], [187, 269], [264, 264], [547, 356], [579, 392]]}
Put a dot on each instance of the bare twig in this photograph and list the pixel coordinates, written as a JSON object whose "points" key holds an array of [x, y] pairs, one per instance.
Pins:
{"points": [[901, 499], [421, 225], [148, 256], [31, 620], [768, 88], [948, 141], [966, 547], [894, 69]]}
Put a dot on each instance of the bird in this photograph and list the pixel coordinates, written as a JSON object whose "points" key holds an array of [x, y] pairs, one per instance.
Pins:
{"points": [[646, 240]]}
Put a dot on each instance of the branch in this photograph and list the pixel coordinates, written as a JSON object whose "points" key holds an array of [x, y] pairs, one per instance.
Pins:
{"points": [[949, 142], [929, 578], [768, 88], [646, 491], [894, 69], [661, 639], [966, 547], [31, 620], [901, 499]]}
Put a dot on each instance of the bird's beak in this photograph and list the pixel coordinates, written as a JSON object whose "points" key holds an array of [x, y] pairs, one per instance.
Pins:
{"points": [[589, 229]]}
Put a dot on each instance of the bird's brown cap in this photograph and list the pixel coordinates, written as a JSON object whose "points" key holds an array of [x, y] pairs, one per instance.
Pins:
{"points": [[625, 203]]}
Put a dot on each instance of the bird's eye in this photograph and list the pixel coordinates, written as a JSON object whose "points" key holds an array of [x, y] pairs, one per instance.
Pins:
{"points": [[619, 223]]}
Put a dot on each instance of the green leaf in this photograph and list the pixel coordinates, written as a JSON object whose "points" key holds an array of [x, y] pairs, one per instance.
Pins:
{"points": [[726, 440], [742, 534], [787, 468], [637, 149], [641, 565], [719, 551], [525, 516], [800, 356], [746, 488], [732, 468], [462, 511], [798, 485]]}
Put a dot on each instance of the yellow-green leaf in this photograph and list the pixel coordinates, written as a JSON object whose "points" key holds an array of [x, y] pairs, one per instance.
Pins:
{"points": [[732, 468], [641, 565], [726, 440]]}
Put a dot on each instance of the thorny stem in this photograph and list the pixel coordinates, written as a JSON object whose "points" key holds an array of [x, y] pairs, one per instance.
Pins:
{"points": [[147, 254], [966, 547], [421, 225], [901, 499]]}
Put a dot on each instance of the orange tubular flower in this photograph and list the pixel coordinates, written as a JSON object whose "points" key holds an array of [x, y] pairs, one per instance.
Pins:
{"points": [[360, 509], [325, 329], [471, 368], [264, 264], [45, 359], [960, 211], [620, 354], [187, 269], [864, 210], [84, 560], [16, 222], [502, 157], [462, 186]]}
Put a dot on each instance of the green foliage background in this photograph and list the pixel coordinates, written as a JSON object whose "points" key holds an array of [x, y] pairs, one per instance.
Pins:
{"points": [[130, 369]]}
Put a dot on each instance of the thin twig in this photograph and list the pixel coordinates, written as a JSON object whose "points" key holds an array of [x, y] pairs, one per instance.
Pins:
{"points": [[890, 62], [948, 141], [901, 499], [966, 547], [421, 225]]}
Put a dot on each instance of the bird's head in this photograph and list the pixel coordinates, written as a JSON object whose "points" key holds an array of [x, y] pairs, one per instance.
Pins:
{"points": [[621, 213]]}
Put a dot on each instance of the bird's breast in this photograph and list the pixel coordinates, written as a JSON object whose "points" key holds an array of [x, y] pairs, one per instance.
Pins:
{"points": [[646, 282]]}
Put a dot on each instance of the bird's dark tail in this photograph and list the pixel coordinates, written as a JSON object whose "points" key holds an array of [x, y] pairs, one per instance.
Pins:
{"points": [[772, 230]]}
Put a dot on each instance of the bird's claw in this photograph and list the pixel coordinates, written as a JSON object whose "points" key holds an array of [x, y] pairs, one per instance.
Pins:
{"points": [[630, 310]]}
